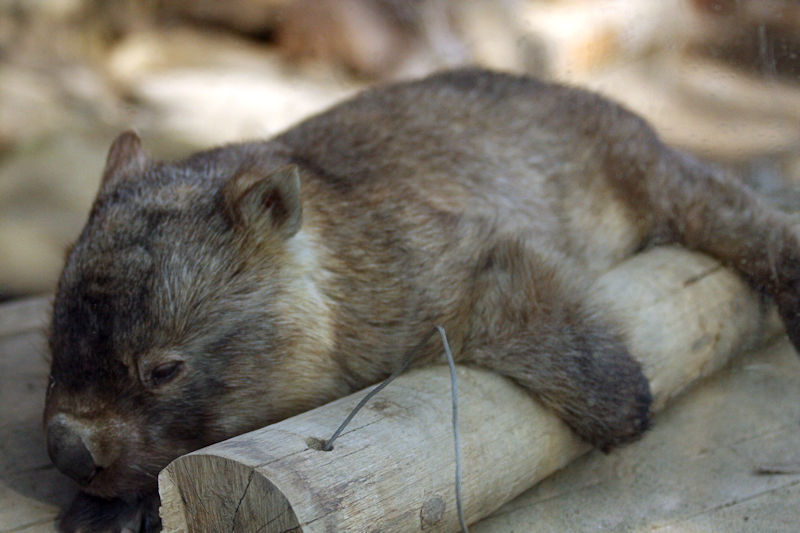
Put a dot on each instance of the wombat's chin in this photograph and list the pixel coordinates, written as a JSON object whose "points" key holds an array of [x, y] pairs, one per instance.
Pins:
{"points": [[112, 484]]}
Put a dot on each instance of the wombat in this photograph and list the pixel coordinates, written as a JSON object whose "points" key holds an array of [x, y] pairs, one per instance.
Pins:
{"points": [[245, 284]]}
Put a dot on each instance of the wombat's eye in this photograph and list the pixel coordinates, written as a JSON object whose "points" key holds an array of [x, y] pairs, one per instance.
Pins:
{"points": [[165, 373]]}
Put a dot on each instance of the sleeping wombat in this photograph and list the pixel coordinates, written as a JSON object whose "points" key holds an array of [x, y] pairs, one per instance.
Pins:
{"points": [[211, 296]]}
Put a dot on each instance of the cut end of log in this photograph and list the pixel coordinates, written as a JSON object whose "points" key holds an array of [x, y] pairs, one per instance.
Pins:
{"points": [[172, 510], [222, 495]]}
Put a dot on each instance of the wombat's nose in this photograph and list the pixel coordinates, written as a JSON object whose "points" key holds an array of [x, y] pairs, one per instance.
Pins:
{"points": [[69, 453]]}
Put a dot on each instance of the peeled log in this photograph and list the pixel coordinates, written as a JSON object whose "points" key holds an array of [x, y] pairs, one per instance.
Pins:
{"points": [[393, 468]]}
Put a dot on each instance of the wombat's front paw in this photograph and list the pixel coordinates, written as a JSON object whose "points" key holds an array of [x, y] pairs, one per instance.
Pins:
{"points": [[625, 426], [89, 514], [617, 412]]}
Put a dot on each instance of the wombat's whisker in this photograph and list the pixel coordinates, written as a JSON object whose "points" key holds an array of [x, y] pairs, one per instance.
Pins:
{"points": [[142, 470]]}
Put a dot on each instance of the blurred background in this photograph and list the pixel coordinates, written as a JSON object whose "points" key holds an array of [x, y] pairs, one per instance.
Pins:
{"points": [[720, 78]]}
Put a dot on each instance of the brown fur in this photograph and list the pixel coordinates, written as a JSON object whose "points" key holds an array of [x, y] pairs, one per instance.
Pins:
{"points": [[247, 283]]}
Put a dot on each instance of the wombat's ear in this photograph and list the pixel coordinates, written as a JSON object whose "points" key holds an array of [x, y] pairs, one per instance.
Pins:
{"points": [[126, 159], [264, 201]]}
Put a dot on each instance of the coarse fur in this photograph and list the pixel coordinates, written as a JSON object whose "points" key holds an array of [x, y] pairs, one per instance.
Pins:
{"points": [[245, 284]]}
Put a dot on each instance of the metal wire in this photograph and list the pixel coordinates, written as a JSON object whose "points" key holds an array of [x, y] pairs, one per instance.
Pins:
{"points": [[409, 356]]}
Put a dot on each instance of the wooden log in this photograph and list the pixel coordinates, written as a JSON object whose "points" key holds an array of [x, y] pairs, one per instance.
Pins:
{"points": [[393, 468], [29, 314]]}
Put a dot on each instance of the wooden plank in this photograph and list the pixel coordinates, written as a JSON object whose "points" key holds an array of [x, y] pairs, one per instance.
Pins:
{"points": [[685, 317], [31, 490], [24, 315]]}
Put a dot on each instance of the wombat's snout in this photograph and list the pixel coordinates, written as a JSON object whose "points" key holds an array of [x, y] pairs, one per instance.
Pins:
{"points": [[68, 450]]}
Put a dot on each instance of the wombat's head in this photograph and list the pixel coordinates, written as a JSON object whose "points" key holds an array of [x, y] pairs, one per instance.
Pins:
{"points": [[176, 315]]}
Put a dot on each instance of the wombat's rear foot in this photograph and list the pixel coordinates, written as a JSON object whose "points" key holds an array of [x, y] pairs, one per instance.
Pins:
{"points": [[788, 302], [89, 514], [615, 419], [782, 281]]}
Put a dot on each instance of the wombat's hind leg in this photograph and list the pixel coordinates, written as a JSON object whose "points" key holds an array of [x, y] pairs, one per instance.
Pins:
{"points": [[704, 208], [535, 326]]}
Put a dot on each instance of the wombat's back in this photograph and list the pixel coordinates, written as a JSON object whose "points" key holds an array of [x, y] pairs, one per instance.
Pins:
{"points": [[519, 153]]}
